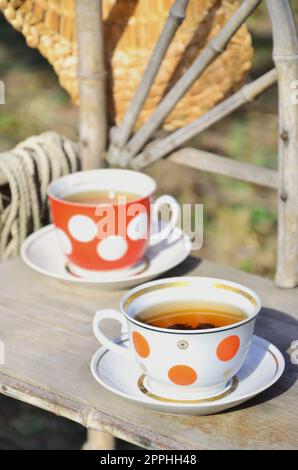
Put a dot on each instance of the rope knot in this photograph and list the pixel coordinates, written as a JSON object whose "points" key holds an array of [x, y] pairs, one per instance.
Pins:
{"points": [[28, 170]]}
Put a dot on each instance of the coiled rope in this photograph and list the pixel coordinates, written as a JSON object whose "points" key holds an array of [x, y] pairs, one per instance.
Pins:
{"points": [[28, 169]]}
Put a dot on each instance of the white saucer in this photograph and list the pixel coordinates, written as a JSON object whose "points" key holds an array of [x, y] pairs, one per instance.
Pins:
{"points": [[100, 276], [41, 251], [263, 367]]}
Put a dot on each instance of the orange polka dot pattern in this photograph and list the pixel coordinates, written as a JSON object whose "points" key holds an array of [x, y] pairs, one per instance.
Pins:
{"points": [[141, 344], [228, 348], [182, 375]]}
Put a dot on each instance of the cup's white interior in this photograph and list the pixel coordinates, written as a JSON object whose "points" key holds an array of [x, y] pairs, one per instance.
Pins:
{"points": [[191, 289], [125, 181]]}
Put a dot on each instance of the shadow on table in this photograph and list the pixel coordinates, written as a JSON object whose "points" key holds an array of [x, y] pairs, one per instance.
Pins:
{"points": [[183, 269], [280, 329]]}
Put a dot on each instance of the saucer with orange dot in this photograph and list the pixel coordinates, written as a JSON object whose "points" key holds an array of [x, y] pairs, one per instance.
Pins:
{"points": [[121, 375]]}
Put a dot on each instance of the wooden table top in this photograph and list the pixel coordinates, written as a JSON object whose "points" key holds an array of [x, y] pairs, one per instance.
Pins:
{"points": [[47, 330]]}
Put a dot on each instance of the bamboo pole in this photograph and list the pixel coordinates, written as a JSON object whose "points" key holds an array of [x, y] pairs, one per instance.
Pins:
{"points": [[206, 161], [212, 49], [285, 55], [164, 146], [93, 116], [3, 179], [119, 135], [99, 440], [92, 78]]}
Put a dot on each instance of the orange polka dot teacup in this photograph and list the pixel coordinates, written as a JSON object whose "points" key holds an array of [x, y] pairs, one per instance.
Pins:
{"points": [[184, 364], [105, 219]]}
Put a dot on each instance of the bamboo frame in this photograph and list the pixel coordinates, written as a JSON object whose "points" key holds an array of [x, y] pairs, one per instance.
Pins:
{"points": [[161, 147], [285, 55], [286, 60], [92, 89], [99, 440], [213, 48], [93, 120], [212, 163], [119, 135]]}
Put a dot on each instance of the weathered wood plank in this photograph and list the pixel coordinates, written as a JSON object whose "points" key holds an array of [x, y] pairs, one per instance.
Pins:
{"points": [[46, 327]]}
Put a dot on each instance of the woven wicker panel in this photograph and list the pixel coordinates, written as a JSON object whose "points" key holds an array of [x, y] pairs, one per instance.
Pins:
{"points": [[131, 31]]}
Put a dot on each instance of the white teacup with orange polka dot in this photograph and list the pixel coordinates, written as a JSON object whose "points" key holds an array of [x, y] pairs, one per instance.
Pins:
{"points": [[184, 364]]}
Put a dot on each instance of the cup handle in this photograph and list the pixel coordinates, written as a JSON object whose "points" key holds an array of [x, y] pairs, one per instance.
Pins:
{"points": [[115, 315], [169, 227]]}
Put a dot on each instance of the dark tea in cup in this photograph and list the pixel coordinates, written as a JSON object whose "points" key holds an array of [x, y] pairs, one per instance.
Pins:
{"points": [[191, 315]]}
